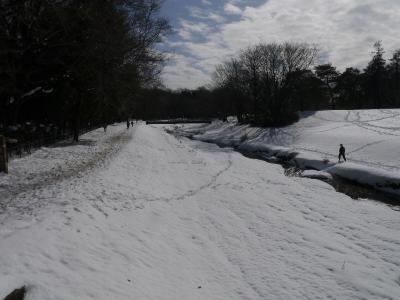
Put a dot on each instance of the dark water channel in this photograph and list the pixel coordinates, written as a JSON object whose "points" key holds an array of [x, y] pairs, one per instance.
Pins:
{"points": [[352, 189]]}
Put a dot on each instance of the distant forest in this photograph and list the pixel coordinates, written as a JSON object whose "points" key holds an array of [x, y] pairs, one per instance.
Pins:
{"points": [[267, 84], [68, 65]]}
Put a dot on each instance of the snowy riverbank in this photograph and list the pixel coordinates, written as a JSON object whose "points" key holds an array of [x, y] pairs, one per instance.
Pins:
{"points": [[371, 137]]}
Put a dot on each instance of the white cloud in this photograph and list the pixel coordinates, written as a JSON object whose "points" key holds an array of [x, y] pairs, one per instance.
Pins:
{"points": [[182, 73], [206, 2], [189, 28], [196, 12], [215, 17], [344, 30], [232, 9]]}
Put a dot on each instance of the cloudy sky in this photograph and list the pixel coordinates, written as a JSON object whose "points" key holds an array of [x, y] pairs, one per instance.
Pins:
{"points": [[210, 31]]}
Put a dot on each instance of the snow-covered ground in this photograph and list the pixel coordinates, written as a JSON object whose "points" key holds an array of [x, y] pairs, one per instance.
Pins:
{"points": [[371, 139], [141, 214]]}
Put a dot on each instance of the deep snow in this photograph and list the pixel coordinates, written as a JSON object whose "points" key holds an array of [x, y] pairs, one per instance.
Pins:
{"points": [[152, 216], [371, 138]]}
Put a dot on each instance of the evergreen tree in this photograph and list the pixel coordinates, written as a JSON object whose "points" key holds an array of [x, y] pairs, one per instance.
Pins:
{"points": [[308, 94], [393, 70], [375, 74], [350, 89], [328, 75]]}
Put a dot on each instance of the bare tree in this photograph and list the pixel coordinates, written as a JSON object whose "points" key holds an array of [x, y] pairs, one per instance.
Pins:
{"points": [[265, 73], [89, 57], [279, 65], [228, 76], [251, 60]]}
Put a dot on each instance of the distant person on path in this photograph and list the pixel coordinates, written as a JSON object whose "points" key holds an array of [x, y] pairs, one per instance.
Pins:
{"points": [[342, 153], [127, 124], [132, 123], [105, 127]]}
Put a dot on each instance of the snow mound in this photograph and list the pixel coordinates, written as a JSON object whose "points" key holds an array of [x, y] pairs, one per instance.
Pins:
{"points": [[316, 175]]}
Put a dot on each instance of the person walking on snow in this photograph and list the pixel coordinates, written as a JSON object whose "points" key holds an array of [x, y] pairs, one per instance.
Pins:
{"points": [[342, 153]]}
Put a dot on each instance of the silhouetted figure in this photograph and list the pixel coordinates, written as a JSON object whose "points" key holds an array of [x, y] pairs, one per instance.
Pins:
{"points": [[132, 123], [127, 124], [342, 153], [105, 127]]}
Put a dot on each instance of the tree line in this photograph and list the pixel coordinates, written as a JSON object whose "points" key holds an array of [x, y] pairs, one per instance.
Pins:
{"points": [[72, 63], [267, 84]]}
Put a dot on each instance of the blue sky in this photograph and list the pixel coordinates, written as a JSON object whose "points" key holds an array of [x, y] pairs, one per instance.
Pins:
{"points": [[208, 32]]}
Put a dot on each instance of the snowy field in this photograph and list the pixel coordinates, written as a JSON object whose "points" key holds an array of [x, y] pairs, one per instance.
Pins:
{"points": [[141, 214], [371, 139]]}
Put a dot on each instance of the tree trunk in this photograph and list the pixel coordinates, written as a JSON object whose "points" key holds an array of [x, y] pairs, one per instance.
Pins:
{"points": [[76, 130], [77, 120]]}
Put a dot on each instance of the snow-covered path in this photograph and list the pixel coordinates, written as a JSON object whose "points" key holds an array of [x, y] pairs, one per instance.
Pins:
{"points": [[167, 218], [48, 166]]}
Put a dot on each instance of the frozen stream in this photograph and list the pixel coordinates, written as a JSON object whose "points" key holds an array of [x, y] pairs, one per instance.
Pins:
{"points": [[352, 189]]}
